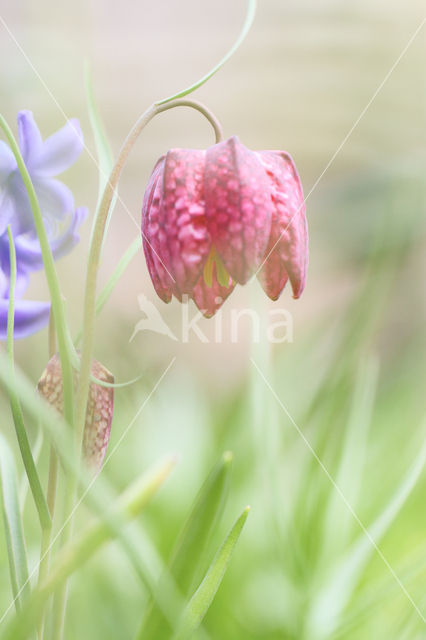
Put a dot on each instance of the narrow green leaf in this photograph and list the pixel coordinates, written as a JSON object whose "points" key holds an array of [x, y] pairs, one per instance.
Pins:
{"points": [[99, 497], [333, 596], [351, 461], [51, 276], [203, 597], [251, 10], [103, 150], [186, 563], [121, 267], [18, 417], [127, 507], [16, 552], [192, 543], [23, 484]]}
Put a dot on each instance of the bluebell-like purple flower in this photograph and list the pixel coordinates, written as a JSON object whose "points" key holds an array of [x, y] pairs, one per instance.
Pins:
{"points": [[44, 160]]}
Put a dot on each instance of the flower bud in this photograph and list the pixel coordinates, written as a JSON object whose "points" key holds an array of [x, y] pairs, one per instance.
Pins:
{"points": [[99, 412]]}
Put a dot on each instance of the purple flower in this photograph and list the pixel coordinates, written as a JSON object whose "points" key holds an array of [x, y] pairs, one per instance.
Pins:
{"points": [[44, 160]]}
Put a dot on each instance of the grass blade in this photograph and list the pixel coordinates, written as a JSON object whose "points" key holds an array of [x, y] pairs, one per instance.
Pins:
{"points": [[15, 405], [128, 506], [187, 558], [13, 526], [103, 150], [334, 596], [121, 267], [201, 600]]}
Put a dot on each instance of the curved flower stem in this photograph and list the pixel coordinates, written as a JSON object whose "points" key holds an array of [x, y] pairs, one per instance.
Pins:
{"points": [[251, 10], [59, 606], [96, 245]]}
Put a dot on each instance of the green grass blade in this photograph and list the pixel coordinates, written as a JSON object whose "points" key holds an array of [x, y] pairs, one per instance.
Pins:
{"points": [[103, 150], [18, 417], [334, 596], [15, 540], [191, 546], [187, 557], [121, 267], [351, 461], [61, 325], [99, 498], [201, 600], [127, 507]]}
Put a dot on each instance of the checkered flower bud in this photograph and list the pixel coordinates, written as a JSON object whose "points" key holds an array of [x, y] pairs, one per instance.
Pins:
{"points": [[99, 407]]}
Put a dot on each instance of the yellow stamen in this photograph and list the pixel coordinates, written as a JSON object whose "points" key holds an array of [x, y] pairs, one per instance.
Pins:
{"points": [[221, 273]]}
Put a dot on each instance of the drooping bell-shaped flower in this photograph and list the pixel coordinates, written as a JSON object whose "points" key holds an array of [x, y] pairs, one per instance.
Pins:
{"points": [[100, 407], [214, 218]]}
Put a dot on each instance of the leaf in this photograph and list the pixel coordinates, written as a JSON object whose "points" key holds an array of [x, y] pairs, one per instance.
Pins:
{"points": [[351, 461], [335, 594], [114, 278], [203, 597], [99, 496], [15, 405], [103, 150], [187, 557], [197, 530], [127, 507], [15, 540]]}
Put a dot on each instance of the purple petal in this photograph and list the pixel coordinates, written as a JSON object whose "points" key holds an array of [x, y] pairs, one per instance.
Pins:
{"points": [[7, 211], [7, 162], [30, 316], [60, 150], [30, 141], [15, 208], [55, 198], [28, 253]]}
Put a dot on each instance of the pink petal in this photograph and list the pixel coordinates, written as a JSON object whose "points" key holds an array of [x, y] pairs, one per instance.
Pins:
{"points": [[152, 201], [286, 255], [184, 241], [210, 299], [238, 206]]}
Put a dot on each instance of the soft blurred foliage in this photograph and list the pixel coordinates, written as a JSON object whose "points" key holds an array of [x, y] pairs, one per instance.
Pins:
{"points": [[344, 401]]}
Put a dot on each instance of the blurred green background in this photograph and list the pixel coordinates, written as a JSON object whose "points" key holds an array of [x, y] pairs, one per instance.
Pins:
{"points": [[344, 401]]}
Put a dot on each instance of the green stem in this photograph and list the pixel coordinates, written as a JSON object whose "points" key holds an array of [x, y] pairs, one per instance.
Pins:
{"points": [[18, 418], [251, 10], [90, 305], [51, 275], [46, 540], [96, 246], [64, 340]]}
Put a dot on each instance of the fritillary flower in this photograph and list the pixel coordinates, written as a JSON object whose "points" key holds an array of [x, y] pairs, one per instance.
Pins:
{"points": [[214, 218]]}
